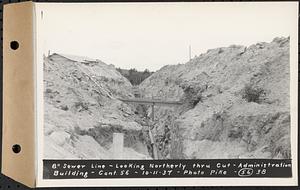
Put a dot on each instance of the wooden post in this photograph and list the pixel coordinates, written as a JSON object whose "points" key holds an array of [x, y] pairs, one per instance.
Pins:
{"points": [[155, 155], [118, 144]]}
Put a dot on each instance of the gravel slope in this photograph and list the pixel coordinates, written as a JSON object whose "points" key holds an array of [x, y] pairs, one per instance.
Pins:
{"points": [[82, 110], [236, 103]]}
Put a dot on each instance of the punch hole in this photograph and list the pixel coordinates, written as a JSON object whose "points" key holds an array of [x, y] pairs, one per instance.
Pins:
{"points": [[16, 148], [14, 45]]}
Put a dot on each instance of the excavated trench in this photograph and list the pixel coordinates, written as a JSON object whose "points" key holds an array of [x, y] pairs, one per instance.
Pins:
{"points": [[163, 129]]}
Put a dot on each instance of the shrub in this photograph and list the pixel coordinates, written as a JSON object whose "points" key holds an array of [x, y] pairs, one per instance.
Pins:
{"points": [[196, 100], [64, 107], [253, 94], [48, 90], [80, 106], [192, 95]]}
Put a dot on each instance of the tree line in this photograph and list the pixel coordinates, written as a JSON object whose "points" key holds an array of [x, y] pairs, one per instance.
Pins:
{"points": [[135, 77]]}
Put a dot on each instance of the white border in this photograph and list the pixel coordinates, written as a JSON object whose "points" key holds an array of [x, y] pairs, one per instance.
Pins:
{"points": [[170, 181]]}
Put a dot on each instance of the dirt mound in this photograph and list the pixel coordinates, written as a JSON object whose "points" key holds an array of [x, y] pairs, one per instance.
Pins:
{"points": [[236, 103], [82, 110]]}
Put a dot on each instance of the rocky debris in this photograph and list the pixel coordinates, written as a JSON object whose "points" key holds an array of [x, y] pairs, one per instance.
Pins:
{"points": [[82, 110], [236, 103]]}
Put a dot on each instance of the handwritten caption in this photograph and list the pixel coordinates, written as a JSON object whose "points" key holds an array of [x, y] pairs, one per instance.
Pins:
{"points": [[84, 169]]}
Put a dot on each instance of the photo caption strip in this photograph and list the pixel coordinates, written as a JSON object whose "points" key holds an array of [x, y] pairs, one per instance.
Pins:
{"points": [[95, 169]]}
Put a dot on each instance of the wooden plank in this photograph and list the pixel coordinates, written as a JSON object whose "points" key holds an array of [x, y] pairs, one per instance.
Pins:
{"points": [[150, 101]]}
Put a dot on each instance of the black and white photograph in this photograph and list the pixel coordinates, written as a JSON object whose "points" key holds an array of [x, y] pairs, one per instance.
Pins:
{"points": [[168, 99], [167, 81], [229, 102]]}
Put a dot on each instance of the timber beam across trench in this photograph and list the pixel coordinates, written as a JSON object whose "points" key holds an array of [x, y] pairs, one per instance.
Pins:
{"points": [[150, 101]]}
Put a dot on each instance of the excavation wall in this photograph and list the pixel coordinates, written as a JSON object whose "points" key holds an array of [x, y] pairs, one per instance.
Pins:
{"points": [[82, 110], [236, 103]]}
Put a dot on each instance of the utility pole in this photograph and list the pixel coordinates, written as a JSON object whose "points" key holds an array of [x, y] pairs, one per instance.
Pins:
{"points": [[190, 52]]}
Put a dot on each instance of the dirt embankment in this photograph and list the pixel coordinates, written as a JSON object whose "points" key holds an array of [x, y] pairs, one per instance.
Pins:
{"points": [[236, 103], [82, 110]]}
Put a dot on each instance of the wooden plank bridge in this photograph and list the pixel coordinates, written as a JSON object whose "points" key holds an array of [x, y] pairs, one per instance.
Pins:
{"points": [[151, 101]]}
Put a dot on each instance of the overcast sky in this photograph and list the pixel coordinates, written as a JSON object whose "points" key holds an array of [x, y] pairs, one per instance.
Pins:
{"points": [[151, 35]]}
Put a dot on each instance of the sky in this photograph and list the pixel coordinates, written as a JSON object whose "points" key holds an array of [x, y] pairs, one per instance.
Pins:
{"points": [[151, 35]]}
